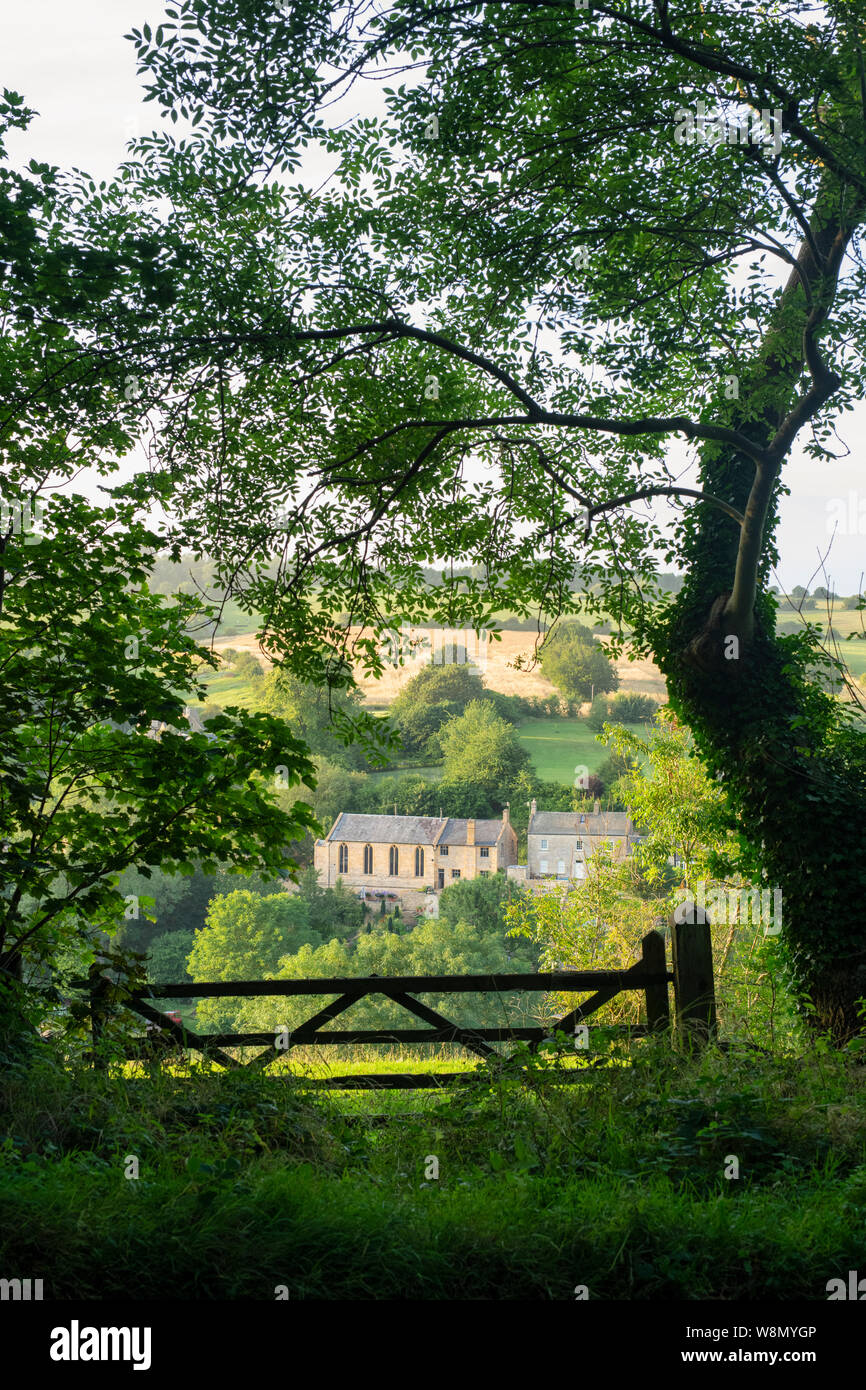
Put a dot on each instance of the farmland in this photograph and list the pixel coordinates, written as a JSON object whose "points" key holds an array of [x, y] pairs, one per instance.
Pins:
{"points": [[497, 662], [557, 746]]}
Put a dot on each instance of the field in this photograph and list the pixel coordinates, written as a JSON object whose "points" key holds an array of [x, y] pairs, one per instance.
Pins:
{"points": [[226, 689], [496, 662], [497, 665], [557, 746]]}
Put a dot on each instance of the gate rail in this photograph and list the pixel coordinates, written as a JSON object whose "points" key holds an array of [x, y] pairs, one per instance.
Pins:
{"points": [[691, 975]]}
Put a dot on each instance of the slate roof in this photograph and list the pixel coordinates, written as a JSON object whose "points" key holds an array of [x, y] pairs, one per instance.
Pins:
{"points": [[412, 830], [393, 830], [568, 823], [487, 832]]}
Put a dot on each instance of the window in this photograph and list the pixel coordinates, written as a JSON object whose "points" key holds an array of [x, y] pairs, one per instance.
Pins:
{"points": [[583, 820], [485, 853], [580, 844], [368, 859], [455, 873], [393, 861], [543, 866], [443, 849], [560, 867], [485, 873], [343, 859], [544, 844], [419, 863]]}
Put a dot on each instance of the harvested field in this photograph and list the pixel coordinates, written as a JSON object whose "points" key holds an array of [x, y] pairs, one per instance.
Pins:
{"points": [[496, 662]]}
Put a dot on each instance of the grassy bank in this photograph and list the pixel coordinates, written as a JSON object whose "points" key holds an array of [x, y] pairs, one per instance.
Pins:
{"points": [[619, 1184]]}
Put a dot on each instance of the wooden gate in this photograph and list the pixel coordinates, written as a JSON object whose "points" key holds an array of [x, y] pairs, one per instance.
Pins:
{"points": [[691, 975]]}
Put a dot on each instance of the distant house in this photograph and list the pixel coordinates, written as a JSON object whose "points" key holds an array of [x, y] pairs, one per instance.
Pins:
{"points": [[409, 855], [158, 727], [560, 842]]}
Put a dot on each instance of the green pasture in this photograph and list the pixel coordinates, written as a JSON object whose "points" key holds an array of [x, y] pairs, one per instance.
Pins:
{"points": [[558, 746]]}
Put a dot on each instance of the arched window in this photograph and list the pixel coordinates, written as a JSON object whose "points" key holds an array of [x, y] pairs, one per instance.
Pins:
{"points": [[368, 859], [343, 859], [419, 863], [393, 861]]}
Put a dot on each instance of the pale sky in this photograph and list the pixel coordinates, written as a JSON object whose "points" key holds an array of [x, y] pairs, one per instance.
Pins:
{"points": [[69, 60]]}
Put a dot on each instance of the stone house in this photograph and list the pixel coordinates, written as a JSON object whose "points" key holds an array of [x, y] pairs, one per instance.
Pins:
{"points": [[560, 842], [412, 855]]}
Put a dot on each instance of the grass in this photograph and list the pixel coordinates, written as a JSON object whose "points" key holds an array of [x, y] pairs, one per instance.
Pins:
{"points": [[618, 1185], [225, 689], [557, 746]]}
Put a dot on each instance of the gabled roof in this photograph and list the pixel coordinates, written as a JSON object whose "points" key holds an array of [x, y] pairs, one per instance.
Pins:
{"points": [[569, 823], [393, 830], [487, 832]]}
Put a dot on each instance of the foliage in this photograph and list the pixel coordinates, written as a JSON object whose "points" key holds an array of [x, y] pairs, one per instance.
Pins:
{"points": [[577, 663], [432, 948], [300, 1187], [481, 901], [91, 662], [247, 666], [326, 361], [681, 812], [620, 709], [323, 716], [428, 700], [481, 750], [167, 957]]}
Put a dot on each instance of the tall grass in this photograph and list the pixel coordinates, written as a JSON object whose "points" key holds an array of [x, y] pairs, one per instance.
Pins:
{"points": [[248, 1181]]}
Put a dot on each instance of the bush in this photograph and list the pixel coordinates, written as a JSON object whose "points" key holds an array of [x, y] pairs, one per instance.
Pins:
{"points": [[247, 667], [620, 709]]}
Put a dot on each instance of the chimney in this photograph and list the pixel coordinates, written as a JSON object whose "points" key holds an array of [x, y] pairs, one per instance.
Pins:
{"points": [[506, 812], [533, 808], [470, 832], [596, 808]]}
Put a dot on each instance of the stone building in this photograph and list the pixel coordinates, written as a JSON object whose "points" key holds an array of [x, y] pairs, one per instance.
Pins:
{"points": [[412, 855], [560, 842]]}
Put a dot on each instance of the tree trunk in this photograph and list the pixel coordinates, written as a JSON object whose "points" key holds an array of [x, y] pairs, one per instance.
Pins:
{"points": [[760, 725]]}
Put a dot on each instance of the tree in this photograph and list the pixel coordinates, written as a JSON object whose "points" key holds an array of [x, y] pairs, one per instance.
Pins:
{"points": [[246, 934], [167, 960], [431, 948], [324, 717], [333, 912], [479, 901], [620, 709], [100, 772], [581, 235], [247, 667], [684, 814], [179, 904], [428, 700], [576, 663], [481, 750]]}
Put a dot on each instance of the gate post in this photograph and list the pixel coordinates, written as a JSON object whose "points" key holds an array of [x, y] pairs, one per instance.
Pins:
{"points": [[654, 960], [694, 992]]}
